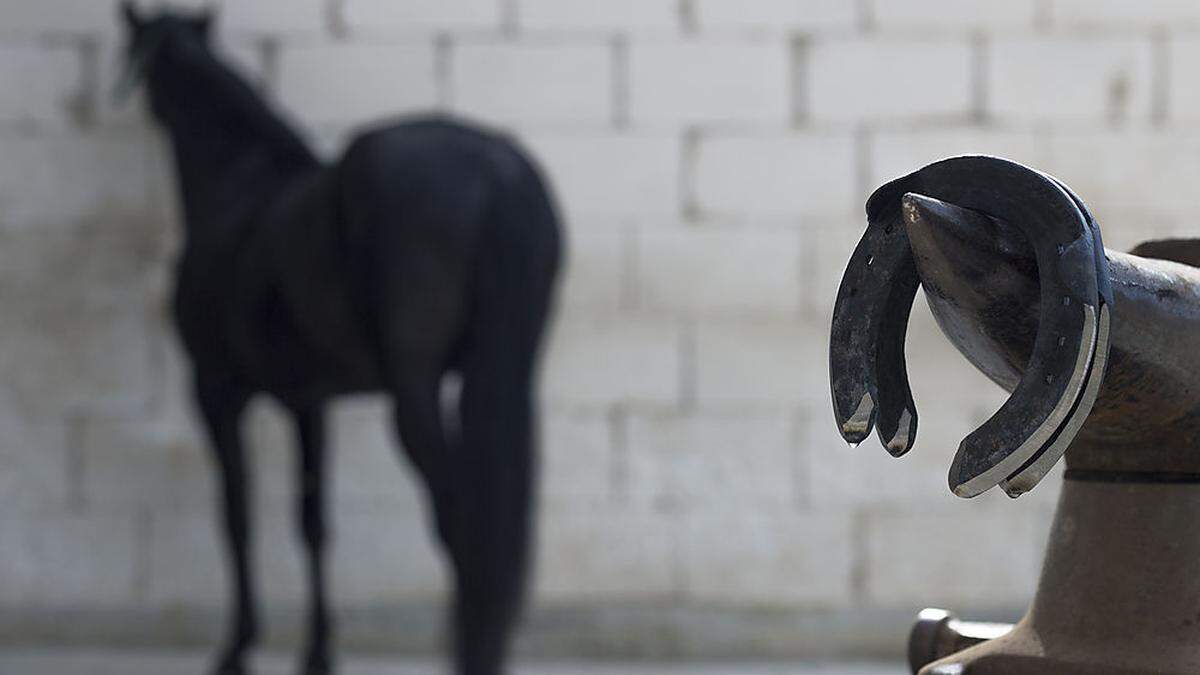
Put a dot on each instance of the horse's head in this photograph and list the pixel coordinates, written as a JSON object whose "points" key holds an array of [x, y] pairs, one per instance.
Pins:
{"points": [[154, 41]]}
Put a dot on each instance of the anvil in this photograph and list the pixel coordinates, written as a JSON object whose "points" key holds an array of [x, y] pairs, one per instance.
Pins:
{"points": [[1120, 585]]}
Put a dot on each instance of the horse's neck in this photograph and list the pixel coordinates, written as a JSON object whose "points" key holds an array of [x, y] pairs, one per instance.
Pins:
{"points": [[231, 151]]}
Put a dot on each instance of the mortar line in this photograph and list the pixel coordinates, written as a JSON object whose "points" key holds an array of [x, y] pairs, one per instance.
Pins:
{"points": [[1160, 77], [621, 75], [798, 47], [689, 23], [980, 60], [443, 67], [689, 209]]}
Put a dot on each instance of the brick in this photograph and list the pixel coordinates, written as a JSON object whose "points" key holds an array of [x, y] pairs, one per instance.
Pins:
{"points": [[720, 271], [768, 560], [188, 561], [138, 463], [1130, 179], [355, 83], [370, 468], [62, 180], [604, 555], [775, 176], [862, 79], [608, 175], [826, 247], [34, 460], [954, 14], [1171, 14], [385, 556], [50, 83], [709, 82], [84, 341], [59, 561], [640, 357], [948, 560], [371, 17], [895, 154], [759, 364], [274, 16], [775, 15], [594, 278], [534, 84], [577, 462], [62, 16], [696, 463], [586, 15], [1092, 79]]}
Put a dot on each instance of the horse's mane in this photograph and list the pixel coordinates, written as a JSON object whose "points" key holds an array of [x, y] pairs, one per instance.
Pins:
{"points": [[210, 95]]}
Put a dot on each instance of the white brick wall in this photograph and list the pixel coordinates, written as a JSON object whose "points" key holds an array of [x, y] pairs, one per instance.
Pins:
{"points": [[756, 16], [922, 15], [390, 17], [50, 82], [888, 78], [718, 271], [711, 82], [1070, 79], [711, 159], [534, 83], [598, 17], [343, 84], [774, 176]]}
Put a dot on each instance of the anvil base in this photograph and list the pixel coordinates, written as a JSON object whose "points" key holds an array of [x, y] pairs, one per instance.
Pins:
{"points": [[1120, 587]]}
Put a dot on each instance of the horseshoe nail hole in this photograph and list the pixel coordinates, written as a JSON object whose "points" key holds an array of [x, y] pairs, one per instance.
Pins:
{"points": [[1066, 301], [1049, 379], [1061, 249], [891, 227], [1062, 340], [870, 259]]}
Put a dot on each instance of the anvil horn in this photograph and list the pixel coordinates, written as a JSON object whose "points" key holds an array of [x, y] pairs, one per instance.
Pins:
{"points": [[868, 378]]}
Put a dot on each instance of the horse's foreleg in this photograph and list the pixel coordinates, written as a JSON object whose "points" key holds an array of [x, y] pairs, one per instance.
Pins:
{"points": [[310, 433], [221, 405]]}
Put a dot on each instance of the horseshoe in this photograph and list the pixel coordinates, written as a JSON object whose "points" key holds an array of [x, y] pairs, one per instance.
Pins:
{"points": [[1019, 444]]}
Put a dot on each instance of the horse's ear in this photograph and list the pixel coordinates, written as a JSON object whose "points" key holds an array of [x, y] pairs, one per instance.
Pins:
{"points": [[203, 23], [130, 13]]}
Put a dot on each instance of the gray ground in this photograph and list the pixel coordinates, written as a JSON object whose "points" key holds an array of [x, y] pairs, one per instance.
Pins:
{"points": [[85, 662]]}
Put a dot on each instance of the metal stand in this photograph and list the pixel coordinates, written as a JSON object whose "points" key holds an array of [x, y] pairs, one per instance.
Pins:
{"points": [[1119, 592]]}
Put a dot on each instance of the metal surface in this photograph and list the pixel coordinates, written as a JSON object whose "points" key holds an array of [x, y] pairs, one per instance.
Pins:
{"points": [[868, 376], [1118, 594], [938, 634]]}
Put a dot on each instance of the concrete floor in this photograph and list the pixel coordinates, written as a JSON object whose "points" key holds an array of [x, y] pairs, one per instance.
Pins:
{"points": [[91, 662]]}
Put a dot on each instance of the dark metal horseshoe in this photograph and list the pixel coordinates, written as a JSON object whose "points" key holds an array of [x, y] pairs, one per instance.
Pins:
{"points": [[868, 378]]}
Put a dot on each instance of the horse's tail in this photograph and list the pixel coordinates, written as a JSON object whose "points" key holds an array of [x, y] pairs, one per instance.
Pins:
{"points": [[494, 478]]}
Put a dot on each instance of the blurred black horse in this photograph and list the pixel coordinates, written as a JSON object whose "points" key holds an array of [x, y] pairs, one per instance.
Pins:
{"points": [[428, 248]]}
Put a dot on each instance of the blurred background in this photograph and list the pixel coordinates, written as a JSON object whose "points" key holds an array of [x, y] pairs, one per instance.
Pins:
{"points": [[711, 158]]}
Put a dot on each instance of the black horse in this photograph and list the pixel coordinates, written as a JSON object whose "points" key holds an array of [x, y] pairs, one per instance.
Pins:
{"points": [[429, 248]]}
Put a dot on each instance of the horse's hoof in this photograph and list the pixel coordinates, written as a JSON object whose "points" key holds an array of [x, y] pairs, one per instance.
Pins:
{"points": [[231, 665], [317, 664]]}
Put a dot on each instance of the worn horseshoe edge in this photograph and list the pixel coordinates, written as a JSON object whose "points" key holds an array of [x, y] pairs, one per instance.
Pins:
{"points": [[867, 372], [1032, 472]]}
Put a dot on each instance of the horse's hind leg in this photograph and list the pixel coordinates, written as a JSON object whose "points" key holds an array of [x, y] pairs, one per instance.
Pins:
{"points": [[221, 405], [310, 433]]}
